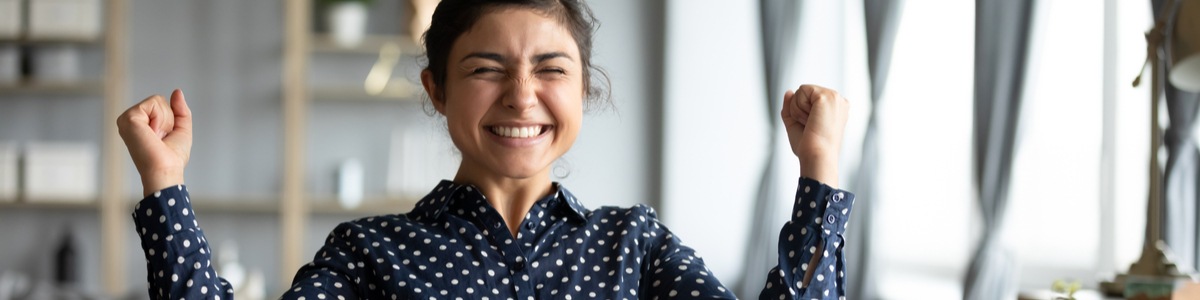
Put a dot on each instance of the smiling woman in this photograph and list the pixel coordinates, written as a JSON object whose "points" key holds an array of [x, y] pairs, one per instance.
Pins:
{"points": [[511, 79], [512, 96]]}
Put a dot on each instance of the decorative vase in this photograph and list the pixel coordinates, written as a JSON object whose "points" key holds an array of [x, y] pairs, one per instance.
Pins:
{"points": [[350, 184], [347, 21]]}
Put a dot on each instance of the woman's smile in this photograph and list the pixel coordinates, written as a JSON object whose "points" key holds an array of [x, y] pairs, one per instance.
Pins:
{"points": [[519, 135]]}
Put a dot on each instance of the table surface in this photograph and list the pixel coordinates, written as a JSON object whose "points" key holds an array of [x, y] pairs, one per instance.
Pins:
{"points": [[1188, 291]]}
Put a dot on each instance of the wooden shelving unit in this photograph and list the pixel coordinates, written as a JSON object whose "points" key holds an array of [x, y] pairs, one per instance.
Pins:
{"points": [[293, 205], [296, 206], [114, 208], [111, 204], [293, 208]]}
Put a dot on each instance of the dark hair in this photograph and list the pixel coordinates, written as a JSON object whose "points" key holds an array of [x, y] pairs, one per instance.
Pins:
{"points": [[452, 18]]}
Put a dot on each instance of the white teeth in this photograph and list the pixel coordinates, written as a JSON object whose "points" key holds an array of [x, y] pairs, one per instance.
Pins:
{"points": [[517, 132]]}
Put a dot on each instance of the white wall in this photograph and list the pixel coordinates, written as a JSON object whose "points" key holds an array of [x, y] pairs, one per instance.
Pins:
{"points": [[615, 159]]}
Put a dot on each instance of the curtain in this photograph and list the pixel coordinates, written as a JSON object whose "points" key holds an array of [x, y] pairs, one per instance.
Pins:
{"points": [[881, 18], [780, 29], [1001, 50], [1182, 178], [1182, 173]]}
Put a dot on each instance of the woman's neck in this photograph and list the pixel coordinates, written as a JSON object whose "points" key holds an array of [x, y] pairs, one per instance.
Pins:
{"points": [[511, 197]]}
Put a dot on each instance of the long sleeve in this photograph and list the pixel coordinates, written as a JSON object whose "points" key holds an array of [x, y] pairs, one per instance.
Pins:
{"points": [[672, 270], [332, 273], [178, 258], [817, 223]]}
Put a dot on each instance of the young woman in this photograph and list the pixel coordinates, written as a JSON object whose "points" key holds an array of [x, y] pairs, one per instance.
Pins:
{"points": [[511, 78]]}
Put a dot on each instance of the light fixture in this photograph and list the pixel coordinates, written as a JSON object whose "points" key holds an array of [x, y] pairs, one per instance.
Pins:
{"points": [[1177, 29], [1185, 48]]}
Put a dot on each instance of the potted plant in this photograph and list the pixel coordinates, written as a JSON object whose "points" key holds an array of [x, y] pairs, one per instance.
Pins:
{"points": [[346, 21], [1066, 288]]}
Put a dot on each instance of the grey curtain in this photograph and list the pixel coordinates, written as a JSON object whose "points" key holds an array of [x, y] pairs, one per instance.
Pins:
{"points": [[1001, 51], [1182, 178], [1182, 174], [780, 32], [881, 18]]}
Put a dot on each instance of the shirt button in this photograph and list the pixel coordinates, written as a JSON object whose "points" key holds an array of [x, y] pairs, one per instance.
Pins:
{"points": [[830, 219], [837, 197], [497, 225], [529, 225], [519, 264]]}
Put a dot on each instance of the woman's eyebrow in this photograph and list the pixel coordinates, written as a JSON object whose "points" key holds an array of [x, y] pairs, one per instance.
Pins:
{"points": [[500, 58], [485, 55], [547, 56]]}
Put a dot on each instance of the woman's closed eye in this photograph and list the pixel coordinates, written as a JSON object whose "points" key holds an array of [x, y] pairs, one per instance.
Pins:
{"points": [[551, 73], [487, 73], [485, 70], [559, 71]]}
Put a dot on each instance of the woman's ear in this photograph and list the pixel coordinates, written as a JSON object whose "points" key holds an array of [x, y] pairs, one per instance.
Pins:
{"points": [[431, 89]]}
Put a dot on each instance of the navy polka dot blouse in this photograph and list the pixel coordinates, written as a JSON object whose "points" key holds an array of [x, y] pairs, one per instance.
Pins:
{"points": [[454, 245]]}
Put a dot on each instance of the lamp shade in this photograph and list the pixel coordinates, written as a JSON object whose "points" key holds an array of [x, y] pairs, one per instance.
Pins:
{"points": [[1185, 68]]}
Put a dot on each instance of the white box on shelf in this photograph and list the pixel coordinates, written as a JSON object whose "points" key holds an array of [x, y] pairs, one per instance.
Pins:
{"points": [[56, 63], [10, 63], [60, 172], [64, 19], [10, 19], [8, 171]]}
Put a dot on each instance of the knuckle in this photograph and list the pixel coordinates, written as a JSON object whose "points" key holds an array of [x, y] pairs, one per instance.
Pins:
{"points": [[125, 118]]}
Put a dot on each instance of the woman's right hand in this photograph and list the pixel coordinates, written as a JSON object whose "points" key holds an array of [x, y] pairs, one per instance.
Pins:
{"points": [[159, 137]]}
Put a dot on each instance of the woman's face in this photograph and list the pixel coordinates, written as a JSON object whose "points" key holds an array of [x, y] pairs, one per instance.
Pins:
{"points": [[513, 99]]}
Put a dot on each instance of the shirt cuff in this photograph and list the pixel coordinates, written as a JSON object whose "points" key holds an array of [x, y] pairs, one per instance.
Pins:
{"points": [[165, 212], [822, 206]]}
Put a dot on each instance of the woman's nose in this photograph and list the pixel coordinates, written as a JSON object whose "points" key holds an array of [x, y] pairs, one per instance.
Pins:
{"points": [[522, 94]]}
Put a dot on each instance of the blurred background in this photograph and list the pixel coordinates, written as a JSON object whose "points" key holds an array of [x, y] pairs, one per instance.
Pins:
{"points": [[309, 113]]}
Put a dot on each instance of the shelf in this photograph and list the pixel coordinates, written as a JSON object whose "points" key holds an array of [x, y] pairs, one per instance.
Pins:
{"points": [[369, 206], [318, 206], [97, 40], [397, 91], [8, 204], [35, 87], [246, 205], [323, 43]]}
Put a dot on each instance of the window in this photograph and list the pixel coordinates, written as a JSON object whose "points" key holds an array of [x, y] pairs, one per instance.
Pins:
{"points": [[1057, 194], [924, 208], [928, 221]]}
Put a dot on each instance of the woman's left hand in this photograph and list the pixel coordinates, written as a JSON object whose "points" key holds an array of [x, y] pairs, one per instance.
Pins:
{"points": [[815, 118]]}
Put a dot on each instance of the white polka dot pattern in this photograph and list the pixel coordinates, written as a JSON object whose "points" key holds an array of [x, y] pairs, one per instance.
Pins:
{"points": [[819, 217], [454, 245], [178, 259]]}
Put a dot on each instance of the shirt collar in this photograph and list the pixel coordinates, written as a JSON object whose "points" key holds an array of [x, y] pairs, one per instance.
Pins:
{"points": [[437, 202]]}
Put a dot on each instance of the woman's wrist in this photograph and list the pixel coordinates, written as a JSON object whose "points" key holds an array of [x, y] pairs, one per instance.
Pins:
{"points": [[823, 170], [152, 184]]}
